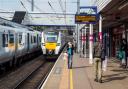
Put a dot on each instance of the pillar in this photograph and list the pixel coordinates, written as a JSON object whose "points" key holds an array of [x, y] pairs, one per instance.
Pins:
{"points": [[91, 44]]}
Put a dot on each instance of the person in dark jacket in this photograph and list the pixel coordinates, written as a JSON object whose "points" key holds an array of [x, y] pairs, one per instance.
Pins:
{"points": [[99, 56], [124, 52], [70, 49]]}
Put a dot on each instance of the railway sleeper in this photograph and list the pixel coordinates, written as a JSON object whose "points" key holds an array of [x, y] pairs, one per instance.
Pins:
{"points": [[2, 68], [19, 61]]}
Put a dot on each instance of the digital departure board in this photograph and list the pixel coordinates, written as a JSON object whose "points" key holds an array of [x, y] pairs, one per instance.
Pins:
{"points": [[87, 19]]}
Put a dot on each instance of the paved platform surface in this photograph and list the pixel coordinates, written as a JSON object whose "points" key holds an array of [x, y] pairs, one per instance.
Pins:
{"points": [[81, 76]]}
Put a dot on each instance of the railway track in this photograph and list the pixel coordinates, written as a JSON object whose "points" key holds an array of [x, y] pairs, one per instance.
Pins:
{"points": [[28, 76], [35, 79]]}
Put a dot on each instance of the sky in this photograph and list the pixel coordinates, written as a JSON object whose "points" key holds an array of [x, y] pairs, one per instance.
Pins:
{"points": [[44, 6]]}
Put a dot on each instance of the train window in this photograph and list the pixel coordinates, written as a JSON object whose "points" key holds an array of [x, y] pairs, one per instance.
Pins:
{"points": [[11, 38], [31, 40], [51, 39], [20, 38], [5, 40], [34, 39], [40, 39]]}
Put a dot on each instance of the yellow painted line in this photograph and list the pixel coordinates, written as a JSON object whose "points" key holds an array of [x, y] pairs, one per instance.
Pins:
{"points": [[71, 79]]}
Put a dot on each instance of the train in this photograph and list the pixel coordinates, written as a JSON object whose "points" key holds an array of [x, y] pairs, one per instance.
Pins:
{"points": [[52, 43], [17, 43]]}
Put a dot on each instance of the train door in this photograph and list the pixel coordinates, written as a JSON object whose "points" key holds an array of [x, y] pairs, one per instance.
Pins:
{"points": [[21, 38], [37, 40], [16, 42], [28, 43]]}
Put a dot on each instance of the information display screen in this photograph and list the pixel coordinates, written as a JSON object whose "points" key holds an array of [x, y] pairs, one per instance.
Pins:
{"points": [[81, 19]]}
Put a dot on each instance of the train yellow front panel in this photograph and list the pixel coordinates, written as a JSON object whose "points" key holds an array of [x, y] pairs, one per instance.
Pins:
{"points": [[50, 45]]}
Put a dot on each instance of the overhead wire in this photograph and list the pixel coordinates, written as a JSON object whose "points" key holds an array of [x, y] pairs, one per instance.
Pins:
{"points": [[55, 11], [25, 8], [40, 10], [61, 6], [52, 9], [49, 3]]}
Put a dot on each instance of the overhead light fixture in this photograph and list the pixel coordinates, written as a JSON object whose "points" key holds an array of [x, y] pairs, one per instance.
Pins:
{"points": [[122, 6]]}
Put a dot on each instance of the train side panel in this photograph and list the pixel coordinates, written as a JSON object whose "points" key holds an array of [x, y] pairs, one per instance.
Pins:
{"points": [[7, 48], [17, 43]]}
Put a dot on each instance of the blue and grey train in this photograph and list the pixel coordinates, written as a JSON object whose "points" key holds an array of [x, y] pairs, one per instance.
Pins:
{"points": [[17, 42]]}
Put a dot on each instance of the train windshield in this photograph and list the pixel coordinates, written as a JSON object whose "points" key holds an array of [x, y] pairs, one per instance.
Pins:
{"points": [[51, 36], [51, 39]]}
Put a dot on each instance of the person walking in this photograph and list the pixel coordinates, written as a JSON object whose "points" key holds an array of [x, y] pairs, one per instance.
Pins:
{"points": [[70, 49], [99, 56]]}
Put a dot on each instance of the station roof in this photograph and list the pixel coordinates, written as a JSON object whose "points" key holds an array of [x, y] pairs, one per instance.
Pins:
{"points": [[53, 25], [115, 13]]}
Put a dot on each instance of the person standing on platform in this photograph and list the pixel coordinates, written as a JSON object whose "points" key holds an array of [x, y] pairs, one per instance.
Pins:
{"points": [[124, 51], [70, 49], [99, 56], [127, 58]]}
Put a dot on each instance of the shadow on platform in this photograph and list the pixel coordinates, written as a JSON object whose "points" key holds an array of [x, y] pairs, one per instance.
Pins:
{"points": [[114, 79], [78, 67], [117, 76]]}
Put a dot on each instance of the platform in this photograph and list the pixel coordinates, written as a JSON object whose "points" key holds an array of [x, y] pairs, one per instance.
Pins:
{"points": [[81, 76]]}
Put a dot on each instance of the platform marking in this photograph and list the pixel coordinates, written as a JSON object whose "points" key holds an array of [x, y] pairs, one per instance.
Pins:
{"points": [[58, 70], [71, 79], [50, 72]]}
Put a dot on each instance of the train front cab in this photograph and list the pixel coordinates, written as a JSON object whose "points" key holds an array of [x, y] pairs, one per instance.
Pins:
{"points": [[51, 46]]}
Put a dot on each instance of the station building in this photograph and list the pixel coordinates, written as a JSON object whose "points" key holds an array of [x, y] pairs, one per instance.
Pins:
{"points": [[114, 15]]}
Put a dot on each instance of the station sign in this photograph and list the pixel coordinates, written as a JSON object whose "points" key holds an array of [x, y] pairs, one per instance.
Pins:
{"points": [[87, 15], [85, 19]]}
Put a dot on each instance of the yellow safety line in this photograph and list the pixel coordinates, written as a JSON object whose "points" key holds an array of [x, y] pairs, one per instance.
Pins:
{"points": [[71, 79]]}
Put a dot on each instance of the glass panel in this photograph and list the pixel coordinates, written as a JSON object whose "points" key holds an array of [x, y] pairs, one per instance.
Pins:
{"points": [[11, 38], [51, 39], [5, 40], [31, 39], [20, 38]]}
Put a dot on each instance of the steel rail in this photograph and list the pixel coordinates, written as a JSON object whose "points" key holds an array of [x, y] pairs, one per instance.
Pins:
{"points": [[20, 82]]}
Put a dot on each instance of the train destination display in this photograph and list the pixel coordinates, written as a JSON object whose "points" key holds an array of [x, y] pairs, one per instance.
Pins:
{"points": [[87, 19]]}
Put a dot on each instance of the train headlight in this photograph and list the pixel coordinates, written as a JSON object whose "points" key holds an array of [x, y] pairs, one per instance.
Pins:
{"points": [[43, 44], [58, 44], [50, 51]]}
